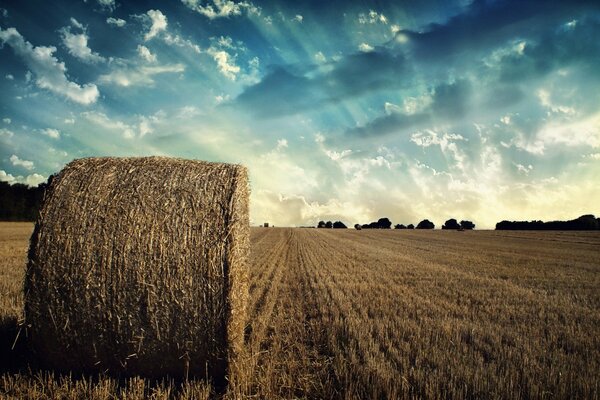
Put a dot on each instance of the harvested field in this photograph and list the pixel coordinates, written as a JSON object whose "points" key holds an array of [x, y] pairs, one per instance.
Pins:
{"points": [[384, 314]]}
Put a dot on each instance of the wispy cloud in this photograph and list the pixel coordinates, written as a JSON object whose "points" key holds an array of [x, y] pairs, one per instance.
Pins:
{"points": [[50, 73], [222, 8]]}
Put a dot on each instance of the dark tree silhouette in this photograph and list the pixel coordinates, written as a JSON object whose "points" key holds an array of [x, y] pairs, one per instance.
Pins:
{"points": [[321, 224], [410, 226], [357, 227], [339, 225], [384, 223], [19, 202], [467, 224], [425, 224], [399, 226], [584, 223], [451, 224], [328, 225]]}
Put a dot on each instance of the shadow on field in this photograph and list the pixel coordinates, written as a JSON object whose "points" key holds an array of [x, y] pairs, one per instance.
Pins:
{"points": [[15, 355]]}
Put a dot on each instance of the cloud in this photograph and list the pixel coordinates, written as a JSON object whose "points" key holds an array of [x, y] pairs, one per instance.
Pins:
{"points": [[108, 5], [176, 40], [31, 180], [77, 44], [6, 120], [16, 161], [50, 73], [139, 76], [225, 63], [52, 133], [158, 24], [9, 77], [447, 101], [6, 133], [372, 17], [145, 53], [143, 125], [222, 8], [34, 180], [365, 47], [298, 18], [6, 177], [287, 90], [118, 22]]}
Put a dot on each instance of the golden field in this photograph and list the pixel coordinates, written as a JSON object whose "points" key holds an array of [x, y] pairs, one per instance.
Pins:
{"points": [[377, 314]]}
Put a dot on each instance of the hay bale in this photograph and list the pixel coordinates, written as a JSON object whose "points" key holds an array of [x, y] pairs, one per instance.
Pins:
{"points": [[138, 266]]}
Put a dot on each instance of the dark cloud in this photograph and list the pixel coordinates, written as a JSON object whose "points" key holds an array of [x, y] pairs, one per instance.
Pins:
{"points": [[487, 24], [450, 101], [390, 123], [283, 91]]}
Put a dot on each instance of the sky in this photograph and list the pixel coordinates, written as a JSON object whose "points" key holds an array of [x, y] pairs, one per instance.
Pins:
{"points": [[341, 110]]}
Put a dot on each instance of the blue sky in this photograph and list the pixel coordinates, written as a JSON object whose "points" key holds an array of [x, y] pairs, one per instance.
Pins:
{"points": [[350, 110]]}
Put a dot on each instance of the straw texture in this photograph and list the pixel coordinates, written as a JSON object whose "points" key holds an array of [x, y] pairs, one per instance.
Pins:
{"points": [[138, 266]]}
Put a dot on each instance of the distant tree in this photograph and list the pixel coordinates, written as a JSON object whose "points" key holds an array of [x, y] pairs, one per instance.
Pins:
{"points": [[410, 226], [321, 224], [339, 225], [399, 226], [425, 224], [328, 225], [583, 223], [357, 227], [365, 226], [451, 224], [384, 223], [467, 225]]}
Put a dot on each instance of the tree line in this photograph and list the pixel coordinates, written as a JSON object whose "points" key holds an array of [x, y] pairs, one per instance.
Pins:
{"points": [[20, 202], [586, 222]]}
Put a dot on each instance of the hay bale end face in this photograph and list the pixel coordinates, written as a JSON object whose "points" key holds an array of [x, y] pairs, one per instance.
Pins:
{"points": [[138, 266]]}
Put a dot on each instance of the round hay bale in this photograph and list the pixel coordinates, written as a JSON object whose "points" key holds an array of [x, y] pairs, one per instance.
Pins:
{"points": [[138, 266]]}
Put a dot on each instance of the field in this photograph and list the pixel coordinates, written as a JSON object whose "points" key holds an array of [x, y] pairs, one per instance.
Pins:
{"points": [[379, 314]]}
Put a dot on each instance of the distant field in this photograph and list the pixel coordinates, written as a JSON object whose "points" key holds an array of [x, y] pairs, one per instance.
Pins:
{"points": [[381, 314]]}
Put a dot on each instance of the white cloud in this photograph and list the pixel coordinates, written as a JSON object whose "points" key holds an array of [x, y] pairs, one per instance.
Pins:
{"points": [[140, 76], [522, 169], [34, 180], [158, 23], [77, 24], [176, 40], [4, 12], [6, 177], [108, 5], [51, 132], [69, 121], [372, 17], [282, 144], [320, 57], [77, 45], [30, 180], [145, 53], [222, 8], [395, 29], [118, 22], [16, 161], [6, 133], [225, 63], [10, 77], [6, 120], [112, 124], [50, 73], [298, 18], [141, 128], [365, 47]]}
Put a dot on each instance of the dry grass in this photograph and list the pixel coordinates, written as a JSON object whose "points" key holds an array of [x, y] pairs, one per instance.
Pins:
{"points": [[389, 314]]}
